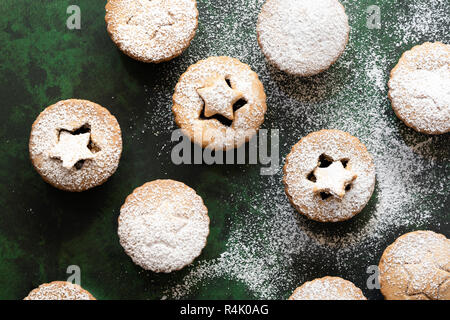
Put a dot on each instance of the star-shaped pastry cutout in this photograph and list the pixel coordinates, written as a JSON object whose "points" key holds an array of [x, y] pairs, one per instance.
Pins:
{"points": [[333, 179], [72, 148], [424, 277], [219, 98]]}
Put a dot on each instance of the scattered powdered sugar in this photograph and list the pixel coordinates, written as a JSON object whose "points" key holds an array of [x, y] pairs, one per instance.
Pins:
{"points": [[163, 225], [59, 290], [152, 31], [376, 71], [302, 37], [419, 19], [270, 248]]}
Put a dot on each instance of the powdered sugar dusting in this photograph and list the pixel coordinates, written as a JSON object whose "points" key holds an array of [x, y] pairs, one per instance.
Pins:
{"points": [[71, 115], [328, 288], [420, 88], [72, 148], [59, 290], [303, 37], [270, 248], [163, 225], [305, 158], [188, 103], [421, 19], [152, 31], [416, 265]]}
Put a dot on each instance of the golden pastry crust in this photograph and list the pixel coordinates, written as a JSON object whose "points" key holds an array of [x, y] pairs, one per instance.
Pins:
{"points": [[152, 31], [328, 288], [319, 200], [416, 267], [302, 38], [419, 88], [75, 118], [59, 290], [230, 78], [163, 225]]}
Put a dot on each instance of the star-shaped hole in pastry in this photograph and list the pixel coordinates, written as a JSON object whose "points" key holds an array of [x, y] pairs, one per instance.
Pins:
{"points": [[219, 98], [331, 178], [73, 148]]}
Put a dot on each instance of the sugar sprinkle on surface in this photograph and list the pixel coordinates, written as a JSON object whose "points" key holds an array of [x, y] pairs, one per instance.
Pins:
{"points": [[270, 248]]}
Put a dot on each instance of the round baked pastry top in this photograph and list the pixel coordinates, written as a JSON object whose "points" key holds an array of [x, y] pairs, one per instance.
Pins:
{"points": [[219, 103], [59, 290], [416, 267], [75, 145], [328, 288], [302, 37], [419, 88], [329, 176], [163, 225], [152, 31]]}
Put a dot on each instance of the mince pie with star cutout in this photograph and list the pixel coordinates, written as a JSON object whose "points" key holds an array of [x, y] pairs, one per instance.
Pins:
{"points": [[219, 103], [329, 176], [75, 145]]}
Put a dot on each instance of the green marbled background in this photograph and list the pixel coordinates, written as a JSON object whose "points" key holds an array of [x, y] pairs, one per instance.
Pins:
{"points": [[44, 230]]}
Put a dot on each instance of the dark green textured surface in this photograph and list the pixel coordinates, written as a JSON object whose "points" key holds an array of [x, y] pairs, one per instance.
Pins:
{"points": [[44, 230]]}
